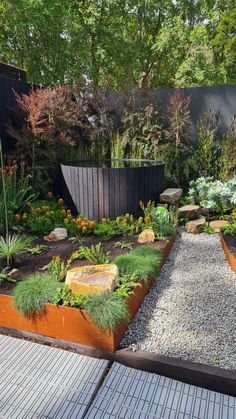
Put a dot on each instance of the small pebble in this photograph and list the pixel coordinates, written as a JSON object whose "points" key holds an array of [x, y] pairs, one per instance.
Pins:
{"points": [[190, 312]]}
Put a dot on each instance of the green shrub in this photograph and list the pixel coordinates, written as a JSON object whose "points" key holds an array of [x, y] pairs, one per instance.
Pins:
{"points": [[164, 231], [144, 261], [94, 254], [230, 229], [64, 296], [31, 295], [104, 231], [40, 224], [107, 310], [147, 252], [58, 268], [124, 245], [127, 283]]}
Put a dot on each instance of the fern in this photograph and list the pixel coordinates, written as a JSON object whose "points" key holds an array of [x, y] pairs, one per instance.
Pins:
{"points": [[94, 254]]}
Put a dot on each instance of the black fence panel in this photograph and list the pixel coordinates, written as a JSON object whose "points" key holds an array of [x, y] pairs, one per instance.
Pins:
{"points": [[8, 104], [220, 99]]}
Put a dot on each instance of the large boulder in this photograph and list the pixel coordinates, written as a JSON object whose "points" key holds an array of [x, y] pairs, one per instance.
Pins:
{"points": [[92, 279], [195, 226], [218, 224], [147, 236], [190, 211], [171, 195]]}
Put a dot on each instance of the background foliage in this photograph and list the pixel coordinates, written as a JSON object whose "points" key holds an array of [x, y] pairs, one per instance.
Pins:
{"points": [[127, 43]]}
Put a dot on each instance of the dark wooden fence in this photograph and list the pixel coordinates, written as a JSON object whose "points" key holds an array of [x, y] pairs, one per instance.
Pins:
{"points": [[12, 72], [10, 82], [109, 192], [220, 99]]}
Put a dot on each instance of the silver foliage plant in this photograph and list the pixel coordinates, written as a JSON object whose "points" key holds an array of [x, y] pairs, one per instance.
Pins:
{"points": [[214, 195]]}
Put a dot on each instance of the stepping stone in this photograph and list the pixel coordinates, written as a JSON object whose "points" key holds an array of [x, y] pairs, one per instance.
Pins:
{"points": [[195, 226], [190, 211], [171, 195], [217, 224]]}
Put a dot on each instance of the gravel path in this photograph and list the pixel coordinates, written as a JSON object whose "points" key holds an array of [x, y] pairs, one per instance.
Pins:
{"points": [[190, 312]]}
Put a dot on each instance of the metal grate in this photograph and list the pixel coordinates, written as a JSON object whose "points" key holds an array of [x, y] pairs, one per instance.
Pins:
{"points": [[132, 394], [38, 381]]}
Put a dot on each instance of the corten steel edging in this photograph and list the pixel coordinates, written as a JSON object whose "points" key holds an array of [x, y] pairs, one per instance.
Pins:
{"points": [[229, 256], [205, 376], [73, 325]]}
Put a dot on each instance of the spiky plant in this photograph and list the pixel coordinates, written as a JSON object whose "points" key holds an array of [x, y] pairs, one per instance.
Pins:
{"points": [[144, 261], [107, 310], [31, 295], [13, 245]]}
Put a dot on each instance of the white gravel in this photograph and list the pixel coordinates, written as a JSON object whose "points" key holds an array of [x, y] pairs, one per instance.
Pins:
{"points": [[190, 312]]}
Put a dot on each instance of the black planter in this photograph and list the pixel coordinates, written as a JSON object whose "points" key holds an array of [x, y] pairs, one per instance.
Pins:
{"points": [[113, 187]]}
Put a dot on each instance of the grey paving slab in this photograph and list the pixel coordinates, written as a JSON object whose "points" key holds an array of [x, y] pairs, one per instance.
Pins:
{"points": [[38, 381], [132, 394]]}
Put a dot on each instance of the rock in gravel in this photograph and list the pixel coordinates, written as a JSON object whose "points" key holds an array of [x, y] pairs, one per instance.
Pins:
{"points": [[190, 311], [171, 195], [217, 224], [190, 211], [195, 226]]}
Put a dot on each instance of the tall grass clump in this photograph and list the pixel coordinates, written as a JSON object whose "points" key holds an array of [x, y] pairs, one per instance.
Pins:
{"points": [[144, 261], [31, 296], [107, 310]]}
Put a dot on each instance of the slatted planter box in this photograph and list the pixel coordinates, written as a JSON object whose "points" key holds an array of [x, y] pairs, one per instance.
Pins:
{"points": [[229, 255], [104, 189], [73, 325]]}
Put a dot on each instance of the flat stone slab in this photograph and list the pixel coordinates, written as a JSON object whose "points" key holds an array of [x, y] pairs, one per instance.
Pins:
{"points": [[92, 279], [171, 195], [130, 393], [38, 381], [218, 224], [190, 211], [195, 226]]}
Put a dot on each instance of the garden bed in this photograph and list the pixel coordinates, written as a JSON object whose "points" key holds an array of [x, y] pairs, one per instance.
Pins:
{"points": [[229, 247], [28, 264], [74, 325]]}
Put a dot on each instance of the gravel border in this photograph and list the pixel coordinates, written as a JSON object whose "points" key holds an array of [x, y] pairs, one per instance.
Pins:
{"points": [[190, 312]]}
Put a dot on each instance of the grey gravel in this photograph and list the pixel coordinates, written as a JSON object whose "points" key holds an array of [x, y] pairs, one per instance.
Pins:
{"points": [[190, 312]]}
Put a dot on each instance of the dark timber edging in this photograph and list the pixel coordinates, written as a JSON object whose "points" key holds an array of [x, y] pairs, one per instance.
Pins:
{"points": [[205, 376]]}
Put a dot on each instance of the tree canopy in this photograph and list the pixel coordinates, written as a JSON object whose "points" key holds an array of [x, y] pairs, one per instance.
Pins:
{"points": [[125, 43]]}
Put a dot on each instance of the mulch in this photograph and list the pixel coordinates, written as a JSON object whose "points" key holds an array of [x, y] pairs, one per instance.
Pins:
{"points": [[28, 264]]}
